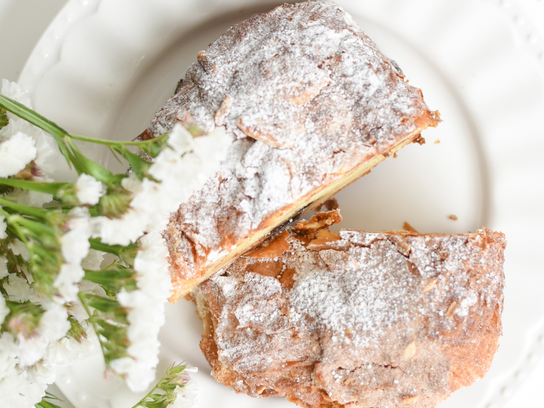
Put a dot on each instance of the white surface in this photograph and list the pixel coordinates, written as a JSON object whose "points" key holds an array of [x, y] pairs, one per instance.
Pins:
{"points": [[22, 22], [473, 62]]}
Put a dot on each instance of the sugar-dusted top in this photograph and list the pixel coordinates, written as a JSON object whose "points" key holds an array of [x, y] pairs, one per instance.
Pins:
{"points": [[380, 319], [307, 97]]}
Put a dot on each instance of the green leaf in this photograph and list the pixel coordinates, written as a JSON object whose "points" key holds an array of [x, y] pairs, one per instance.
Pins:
{"points": [[125, 253], [164, 393], [23, 318], [107, 307], [112, 249], [86, 165], [110, 327], [47, 188], [4, 120], [138, 165], [114, 204], [47, 404], [113, 280], [77, 332], [24, 209]]}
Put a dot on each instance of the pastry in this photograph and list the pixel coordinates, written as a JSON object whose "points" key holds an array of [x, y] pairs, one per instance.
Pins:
{"points": [[311, 105], [355, 319]]}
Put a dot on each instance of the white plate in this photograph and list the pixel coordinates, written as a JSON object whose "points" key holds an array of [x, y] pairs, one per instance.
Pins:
{"points": [[105, 66]]}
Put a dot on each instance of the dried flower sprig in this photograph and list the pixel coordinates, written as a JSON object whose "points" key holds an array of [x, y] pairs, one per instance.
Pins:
{"points": [[53, 237], [176, 389]]}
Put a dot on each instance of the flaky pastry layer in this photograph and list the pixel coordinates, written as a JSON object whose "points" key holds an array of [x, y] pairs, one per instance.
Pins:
{"points": [[311, 105], [355, 319]]}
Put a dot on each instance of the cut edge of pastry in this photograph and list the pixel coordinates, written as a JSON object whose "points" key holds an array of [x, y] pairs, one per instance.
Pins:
{"points": [[183, 287]]}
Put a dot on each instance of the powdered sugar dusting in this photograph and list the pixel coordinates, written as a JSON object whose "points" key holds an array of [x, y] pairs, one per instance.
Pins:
{"points": [[376, 319], [308, 96], [358, 290], [372, 286]]}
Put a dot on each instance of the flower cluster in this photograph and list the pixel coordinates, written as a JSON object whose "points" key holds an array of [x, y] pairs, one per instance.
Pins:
{"points": [[61, 298]]}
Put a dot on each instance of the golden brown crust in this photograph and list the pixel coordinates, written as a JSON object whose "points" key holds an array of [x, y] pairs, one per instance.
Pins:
{"points": [[313, 105], [360, 320]]}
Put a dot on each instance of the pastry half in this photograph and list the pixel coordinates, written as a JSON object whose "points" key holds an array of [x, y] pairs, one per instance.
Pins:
{"points": [[311, 105], [355, 319]]}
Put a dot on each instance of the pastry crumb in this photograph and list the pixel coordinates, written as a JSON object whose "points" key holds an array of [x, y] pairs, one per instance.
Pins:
{"points": [[408, 227], [419, 140]]}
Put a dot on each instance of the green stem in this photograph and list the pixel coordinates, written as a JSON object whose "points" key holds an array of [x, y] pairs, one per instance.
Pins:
{"points": [[25, 209], [111, 249], [142, 402], [116, 142], [47, 188], [14, 227], [37, 120], [91, 320]]}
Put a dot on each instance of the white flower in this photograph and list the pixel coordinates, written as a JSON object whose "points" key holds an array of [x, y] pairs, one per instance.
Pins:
{"points": [[16, 153], [8, 351], [211, 149], [53, 326], [17, 288], [186, 396], [180, 140], [19, 390], [3, 227], [67, 279], [75, 243], [14, 91], [168, 162], [88, 189], [119, 231], [43, 372], [180, 173], [156, 203], [4, 310], [48, 156], [3, 267], [132, 183], [146, 312], [19, 248], [152, 266], [54, 323], [68, 350], [93, 260]]}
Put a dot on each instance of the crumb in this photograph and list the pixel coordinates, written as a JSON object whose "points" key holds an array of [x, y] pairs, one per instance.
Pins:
{"points": [[437, 141], [419, 140], [453, 217], [395, 155], [408, 227]]}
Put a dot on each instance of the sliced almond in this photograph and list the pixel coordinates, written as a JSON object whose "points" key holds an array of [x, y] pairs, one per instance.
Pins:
{"points": [[451, 310], [430, 284], [410, 351], [223, 111], [410, 400]]}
